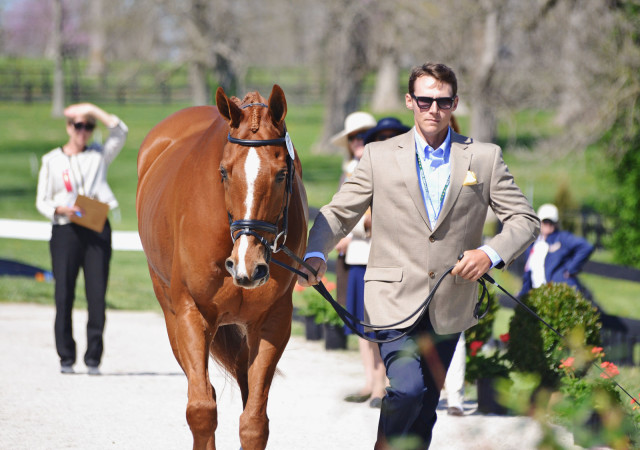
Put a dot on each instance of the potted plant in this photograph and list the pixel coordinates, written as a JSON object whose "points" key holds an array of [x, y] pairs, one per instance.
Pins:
{"points": [[334, 336], [486, 362], [312, 310], [486, 365], [319, 315]]}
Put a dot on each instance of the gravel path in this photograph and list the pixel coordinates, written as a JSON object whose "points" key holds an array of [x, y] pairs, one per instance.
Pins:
{"points": [[139, 401]]}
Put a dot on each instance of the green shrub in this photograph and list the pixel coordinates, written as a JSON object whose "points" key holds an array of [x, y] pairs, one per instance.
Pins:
{"points": [[533, 347], [315, 305]]}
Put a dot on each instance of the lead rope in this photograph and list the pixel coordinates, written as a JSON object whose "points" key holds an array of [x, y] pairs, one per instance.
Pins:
{"points": [[350, 320]]}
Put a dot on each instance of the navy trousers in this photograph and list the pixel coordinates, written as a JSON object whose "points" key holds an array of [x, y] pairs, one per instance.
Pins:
{"points": [[416, 367], [72, 247]]}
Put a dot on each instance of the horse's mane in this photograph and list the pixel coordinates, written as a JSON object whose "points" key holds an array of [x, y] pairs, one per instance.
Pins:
{"points": [[251, 97]]}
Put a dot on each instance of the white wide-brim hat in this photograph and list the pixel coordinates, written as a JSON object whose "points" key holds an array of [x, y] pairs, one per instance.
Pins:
{"points": [[355, 122], [548, 212]]}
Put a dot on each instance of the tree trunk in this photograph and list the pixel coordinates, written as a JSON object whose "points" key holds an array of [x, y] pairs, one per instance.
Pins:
{"points": [[346, 65], [97, 39], [483, 121], [573, 86], [57, 103], [198, 83], [385, 95]]}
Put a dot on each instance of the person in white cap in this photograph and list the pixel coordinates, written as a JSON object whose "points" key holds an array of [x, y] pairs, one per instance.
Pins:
{"points": [[557, 256]]}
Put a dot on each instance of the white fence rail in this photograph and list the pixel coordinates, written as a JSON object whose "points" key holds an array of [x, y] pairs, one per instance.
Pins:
{"points": [[41, 231]]}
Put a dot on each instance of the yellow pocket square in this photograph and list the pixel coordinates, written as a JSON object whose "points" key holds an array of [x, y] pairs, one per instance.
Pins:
{"points": [[470, 179]]}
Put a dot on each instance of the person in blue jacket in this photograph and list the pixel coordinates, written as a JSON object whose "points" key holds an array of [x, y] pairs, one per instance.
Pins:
{"points": [[557, 256]]}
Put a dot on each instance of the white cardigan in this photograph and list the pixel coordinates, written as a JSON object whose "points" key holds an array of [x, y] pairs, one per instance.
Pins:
{"points": [[85, 174]]}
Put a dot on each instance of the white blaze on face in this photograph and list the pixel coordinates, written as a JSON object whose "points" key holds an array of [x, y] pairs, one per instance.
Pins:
{"points": [[251, 170]]}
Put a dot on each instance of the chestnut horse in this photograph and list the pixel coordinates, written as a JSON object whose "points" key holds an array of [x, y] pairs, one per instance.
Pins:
{"points": [[219, 191]]}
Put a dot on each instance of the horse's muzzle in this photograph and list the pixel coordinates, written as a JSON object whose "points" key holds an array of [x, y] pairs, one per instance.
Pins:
{"points": [[258, 277]]}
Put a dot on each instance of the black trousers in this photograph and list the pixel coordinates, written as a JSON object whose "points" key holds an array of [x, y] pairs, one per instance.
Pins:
{"points": [[73, 247], [416, 367]]}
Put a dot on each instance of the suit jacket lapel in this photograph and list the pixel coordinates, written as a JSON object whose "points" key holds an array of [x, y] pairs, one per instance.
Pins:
{"points": [[406, 158], [460, 162]]}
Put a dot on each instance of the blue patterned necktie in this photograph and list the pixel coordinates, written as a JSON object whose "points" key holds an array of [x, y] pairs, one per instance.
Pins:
{"points": [[436, 157]]}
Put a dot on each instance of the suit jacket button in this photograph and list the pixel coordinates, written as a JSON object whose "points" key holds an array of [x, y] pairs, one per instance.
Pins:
{"points": [[432, 239], [432, 275]]}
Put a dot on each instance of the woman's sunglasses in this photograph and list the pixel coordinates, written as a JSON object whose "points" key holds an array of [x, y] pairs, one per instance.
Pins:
{"points": [[84, 125], [426, 102]]}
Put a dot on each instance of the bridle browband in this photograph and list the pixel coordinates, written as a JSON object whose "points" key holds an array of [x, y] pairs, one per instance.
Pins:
{"points": [[250, 227]]}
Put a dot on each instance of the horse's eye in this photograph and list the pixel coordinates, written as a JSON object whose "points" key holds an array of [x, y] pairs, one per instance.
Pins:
{"points": [[223, 173], [281, 176]]}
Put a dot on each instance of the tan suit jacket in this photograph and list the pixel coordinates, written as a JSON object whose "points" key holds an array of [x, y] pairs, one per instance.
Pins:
{"points": [[407, 257]]}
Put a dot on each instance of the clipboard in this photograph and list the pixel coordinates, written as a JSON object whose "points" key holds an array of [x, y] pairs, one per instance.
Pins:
{"points": [[95, 213]]}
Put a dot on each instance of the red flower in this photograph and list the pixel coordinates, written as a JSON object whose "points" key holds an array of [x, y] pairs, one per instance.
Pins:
{"points": [[597, 352], [610, 370], [635, 402], [328, 284], [505, 337], [475, 346], [567, 363]]}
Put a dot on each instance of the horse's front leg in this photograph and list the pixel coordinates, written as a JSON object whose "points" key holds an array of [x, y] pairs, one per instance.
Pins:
{"points": [[266, 346], [193, 337]]}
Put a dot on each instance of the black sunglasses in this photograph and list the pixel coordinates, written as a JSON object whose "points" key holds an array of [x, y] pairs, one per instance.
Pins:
{"points": [[426, 102], [353, 137], [86, 125]]}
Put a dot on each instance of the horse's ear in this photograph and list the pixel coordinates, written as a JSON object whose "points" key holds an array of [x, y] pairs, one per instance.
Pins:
{"points": [[277, 104], [228, 109]]}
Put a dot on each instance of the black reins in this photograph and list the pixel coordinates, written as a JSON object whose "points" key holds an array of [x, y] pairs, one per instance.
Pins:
{"points": [[353, 322], [350, 321]]}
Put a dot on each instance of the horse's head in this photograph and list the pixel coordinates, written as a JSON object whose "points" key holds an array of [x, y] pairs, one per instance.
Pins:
{"points": [[256, 173]]}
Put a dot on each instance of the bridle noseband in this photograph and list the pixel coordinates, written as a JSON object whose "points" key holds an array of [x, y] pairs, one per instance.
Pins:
{"points": [[251, 226]]}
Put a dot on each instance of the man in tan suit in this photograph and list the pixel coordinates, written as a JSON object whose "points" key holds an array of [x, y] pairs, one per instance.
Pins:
{"points": [[429, 190]]}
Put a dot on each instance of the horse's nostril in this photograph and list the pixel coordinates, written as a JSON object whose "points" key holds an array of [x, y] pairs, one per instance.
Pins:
{"points": [[262, 270]]}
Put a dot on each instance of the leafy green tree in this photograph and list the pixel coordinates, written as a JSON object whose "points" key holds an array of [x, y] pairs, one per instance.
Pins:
{"points": [[625, 208], [623, 139]]}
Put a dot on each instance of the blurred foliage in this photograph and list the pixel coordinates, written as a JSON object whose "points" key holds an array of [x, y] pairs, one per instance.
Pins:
{"points": [[535, 348], [589, 401]]}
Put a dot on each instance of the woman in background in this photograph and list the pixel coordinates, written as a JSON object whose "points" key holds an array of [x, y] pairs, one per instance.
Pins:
{"points": [[79, 168]]}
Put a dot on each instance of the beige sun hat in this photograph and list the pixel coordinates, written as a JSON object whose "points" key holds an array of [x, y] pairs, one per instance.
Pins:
{"points": [[355, 122]]}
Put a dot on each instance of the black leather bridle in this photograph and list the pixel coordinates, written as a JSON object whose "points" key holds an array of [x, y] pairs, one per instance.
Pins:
{"points": [[251, 227]]}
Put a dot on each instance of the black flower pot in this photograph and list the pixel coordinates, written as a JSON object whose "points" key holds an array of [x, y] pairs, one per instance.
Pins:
{"points": [[334, 337], [487, 394], [312, 330]]}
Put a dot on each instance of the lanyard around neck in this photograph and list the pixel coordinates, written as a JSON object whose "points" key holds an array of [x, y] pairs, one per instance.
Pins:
{"points": [[426, 186]]}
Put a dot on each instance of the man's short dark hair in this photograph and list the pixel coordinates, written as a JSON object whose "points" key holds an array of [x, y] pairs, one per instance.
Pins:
{"points": [[440, 72]]}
